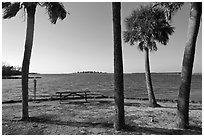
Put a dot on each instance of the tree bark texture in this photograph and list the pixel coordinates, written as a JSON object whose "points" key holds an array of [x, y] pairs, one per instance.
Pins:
{"points": [[119, 122], [151, 97], [187, 67], [26, 59]]}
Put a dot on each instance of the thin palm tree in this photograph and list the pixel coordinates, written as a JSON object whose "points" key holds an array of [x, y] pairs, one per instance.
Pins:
{"points": [[55, 11], [147, 26], [188, 58], [119, 122]]}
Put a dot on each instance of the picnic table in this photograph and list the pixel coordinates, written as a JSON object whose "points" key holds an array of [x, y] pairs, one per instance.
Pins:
{"points": [[67, 93]]}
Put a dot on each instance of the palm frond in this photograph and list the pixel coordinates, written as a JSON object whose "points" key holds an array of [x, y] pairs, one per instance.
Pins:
{"points": [[134, 28], [170, 8], [5, 4], [10, 9], [55, 10], [152, 46], [126, 36], [141, 46], [162, 36]]}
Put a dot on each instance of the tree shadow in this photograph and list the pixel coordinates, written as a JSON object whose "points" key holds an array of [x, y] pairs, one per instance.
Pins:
{"points": [[51, 119], [96, 103], [163, 131], [132, 104], [190, 108], [195, 128], [129, 128], [169, 107]]}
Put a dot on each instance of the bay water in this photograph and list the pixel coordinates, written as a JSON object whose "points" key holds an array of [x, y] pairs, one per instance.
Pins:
{"points": [[165, 85]]}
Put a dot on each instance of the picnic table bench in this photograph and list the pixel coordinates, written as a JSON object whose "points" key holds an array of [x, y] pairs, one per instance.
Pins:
{"points": [[84, 94], [65, 94]]}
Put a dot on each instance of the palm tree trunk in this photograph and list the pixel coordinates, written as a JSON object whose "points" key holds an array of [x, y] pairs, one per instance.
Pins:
{"points": [[119, 122], [26, 59], [188, 59], [151, 97]]}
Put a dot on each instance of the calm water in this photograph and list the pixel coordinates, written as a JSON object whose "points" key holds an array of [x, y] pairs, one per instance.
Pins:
{"points": [[165, 86]]}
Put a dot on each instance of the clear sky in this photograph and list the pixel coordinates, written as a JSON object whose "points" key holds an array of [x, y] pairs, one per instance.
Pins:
{"points": [[84, 41]]}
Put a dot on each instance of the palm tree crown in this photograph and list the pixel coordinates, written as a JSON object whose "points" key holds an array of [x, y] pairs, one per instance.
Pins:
{"points": [[147, 26], [170, 8], [55, 9]]}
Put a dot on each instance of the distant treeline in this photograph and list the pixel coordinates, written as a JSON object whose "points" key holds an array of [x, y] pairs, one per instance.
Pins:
{"points": [[90, 72], [8, 70], [167, 73]]}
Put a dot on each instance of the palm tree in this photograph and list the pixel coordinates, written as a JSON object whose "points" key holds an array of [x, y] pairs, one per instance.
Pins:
{"points": [[187, 67], [146, 26], [188, 59], [119, 122], [55, 10]]}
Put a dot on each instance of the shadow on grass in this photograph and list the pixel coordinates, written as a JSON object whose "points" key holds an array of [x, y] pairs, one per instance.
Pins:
{"points": [[195, 108], [88, 102], [169, 107], [50, 119], [129, 129], [132, 104], [190, 108], [163, 131]]}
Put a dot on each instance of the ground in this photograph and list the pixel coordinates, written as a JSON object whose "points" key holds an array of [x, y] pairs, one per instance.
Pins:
{"points": [[76, 117]]}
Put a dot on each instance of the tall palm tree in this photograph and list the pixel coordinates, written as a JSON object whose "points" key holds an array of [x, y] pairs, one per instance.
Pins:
{"points": [[188, 58], [119, 122], [146, 26], [55, 10]]}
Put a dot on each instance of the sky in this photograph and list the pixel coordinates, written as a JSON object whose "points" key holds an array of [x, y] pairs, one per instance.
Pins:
{"points": [[84, 41]]}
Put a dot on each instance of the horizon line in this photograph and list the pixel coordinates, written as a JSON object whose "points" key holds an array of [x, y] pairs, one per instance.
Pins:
{"points": [[113, 73]]}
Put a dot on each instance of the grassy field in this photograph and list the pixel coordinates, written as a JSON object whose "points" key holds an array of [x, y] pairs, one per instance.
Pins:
{"points": [[96, 117]]}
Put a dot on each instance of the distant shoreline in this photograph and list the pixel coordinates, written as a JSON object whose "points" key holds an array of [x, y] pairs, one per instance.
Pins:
{"points": [[17, 77], [162, 73], [79, 73]]}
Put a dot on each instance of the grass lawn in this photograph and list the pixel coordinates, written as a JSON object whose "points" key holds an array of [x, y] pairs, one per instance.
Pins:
{"points": [[76, 117]]}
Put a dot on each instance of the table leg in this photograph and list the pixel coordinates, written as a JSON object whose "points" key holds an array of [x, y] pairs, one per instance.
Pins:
{"points": [[60, 97], [85, 96]]}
